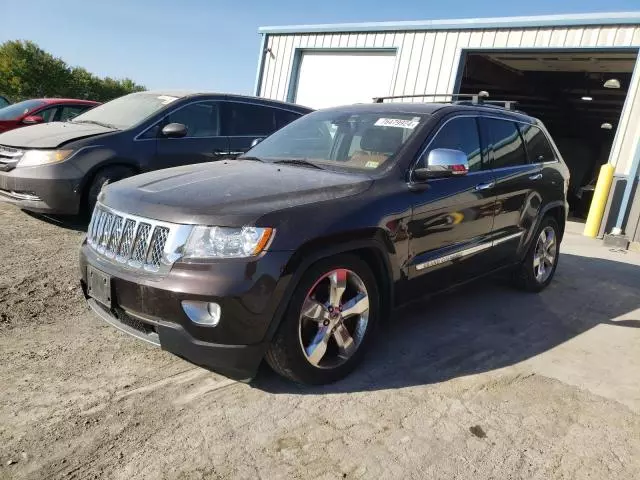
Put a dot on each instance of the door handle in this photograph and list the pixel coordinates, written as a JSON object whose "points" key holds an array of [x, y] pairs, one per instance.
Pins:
{"points": [[484, 186], [537, 176]]}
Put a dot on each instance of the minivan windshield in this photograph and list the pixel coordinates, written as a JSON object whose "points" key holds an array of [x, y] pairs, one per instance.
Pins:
{"points": [[360, 141], [125, 112], [17, 110]]}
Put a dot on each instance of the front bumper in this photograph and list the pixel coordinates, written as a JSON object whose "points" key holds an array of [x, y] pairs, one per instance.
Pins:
{"points": [[45, 189], [149, 308], [239, 362]]}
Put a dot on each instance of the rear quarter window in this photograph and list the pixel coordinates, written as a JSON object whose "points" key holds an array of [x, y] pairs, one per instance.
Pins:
{"points": [[284, 117], [538, 147]]}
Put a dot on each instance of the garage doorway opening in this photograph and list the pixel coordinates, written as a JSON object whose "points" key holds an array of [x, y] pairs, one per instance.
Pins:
{"points": [[328, 78], [578, 95]]}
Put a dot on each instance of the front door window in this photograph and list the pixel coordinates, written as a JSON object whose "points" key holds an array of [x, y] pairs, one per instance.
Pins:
{"points": [[201, 119]]}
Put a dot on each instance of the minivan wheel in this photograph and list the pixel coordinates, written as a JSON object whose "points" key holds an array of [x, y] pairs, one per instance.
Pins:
{"points": [[104, 177], [540, 263], [329, 322]]}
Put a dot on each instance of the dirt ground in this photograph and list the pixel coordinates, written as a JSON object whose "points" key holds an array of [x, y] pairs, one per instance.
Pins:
{"points": [[485, 382]]}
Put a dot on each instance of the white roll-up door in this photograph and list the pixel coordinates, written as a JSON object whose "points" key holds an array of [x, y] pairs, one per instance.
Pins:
{"points": [[328, 79]]}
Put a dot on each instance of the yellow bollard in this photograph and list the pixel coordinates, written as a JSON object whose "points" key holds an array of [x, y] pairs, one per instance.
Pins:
{"points": [[600, 195]]}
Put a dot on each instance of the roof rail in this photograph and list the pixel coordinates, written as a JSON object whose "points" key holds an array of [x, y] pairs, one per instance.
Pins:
{"points": [[458, 98]]}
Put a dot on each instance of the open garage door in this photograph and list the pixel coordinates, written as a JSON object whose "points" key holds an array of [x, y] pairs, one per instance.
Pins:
{"points": [[328, 79], [578, 95]]}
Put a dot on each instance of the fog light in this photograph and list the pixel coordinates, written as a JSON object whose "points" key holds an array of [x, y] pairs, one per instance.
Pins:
{"points": [[203, 313], [214, 311]]}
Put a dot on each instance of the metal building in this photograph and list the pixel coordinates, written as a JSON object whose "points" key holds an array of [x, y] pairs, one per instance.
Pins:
{"points": [[579, 73]]}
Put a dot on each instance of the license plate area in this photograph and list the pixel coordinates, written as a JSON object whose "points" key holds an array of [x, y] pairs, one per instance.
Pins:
{"points": [[99, 286]]}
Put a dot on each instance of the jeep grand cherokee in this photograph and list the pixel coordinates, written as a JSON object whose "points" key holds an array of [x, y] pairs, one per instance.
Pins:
{"points": [[296, 251]]}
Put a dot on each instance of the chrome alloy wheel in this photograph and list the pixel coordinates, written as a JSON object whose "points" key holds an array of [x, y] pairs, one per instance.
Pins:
{"points": [[334, 318], [544, 256]]}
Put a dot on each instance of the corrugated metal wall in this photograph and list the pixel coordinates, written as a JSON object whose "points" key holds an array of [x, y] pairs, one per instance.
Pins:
{"points": [[428, 61]]}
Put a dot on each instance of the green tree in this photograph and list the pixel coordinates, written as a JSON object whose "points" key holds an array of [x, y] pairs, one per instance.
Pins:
{"points": [[27, 71]]}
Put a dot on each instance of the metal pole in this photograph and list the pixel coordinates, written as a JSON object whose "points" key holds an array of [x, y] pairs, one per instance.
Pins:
{"points": [[259, 73], [599, 201], [626, 196]]}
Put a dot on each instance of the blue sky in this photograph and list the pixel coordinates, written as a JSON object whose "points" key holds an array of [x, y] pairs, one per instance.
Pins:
{"points": [[213, 44]]}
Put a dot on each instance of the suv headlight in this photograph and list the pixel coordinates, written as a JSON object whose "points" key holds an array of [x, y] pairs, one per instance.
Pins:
{"points": [[32, 158], [225, 242]]}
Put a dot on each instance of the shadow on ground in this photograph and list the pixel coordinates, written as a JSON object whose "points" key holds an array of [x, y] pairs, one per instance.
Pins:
{"points": [[70, 222], [486, 326]]}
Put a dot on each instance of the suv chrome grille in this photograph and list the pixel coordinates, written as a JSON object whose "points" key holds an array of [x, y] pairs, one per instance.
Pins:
{"points": [[126, 241], [116, 234], [158, 242], [141, 244], [135, 242]]}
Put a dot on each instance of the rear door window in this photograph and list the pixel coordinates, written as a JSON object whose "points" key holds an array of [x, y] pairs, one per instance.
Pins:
{"points": [[461, 134], [538, 147], [245, 119], [507, 145]]}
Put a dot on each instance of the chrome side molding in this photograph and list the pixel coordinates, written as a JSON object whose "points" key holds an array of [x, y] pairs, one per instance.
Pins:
{"points": [[466, 252]]}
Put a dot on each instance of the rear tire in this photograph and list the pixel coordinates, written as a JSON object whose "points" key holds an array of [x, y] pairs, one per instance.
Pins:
{"points": [[537, 269], [102, 178], [329, 323]]}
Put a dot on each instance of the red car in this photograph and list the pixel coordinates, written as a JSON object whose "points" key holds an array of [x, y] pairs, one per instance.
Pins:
{"points": [[42, 110]]}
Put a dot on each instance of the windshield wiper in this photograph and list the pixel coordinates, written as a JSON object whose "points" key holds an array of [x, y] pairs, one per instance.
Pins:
{"points": [[299, 161], [101, 124]]}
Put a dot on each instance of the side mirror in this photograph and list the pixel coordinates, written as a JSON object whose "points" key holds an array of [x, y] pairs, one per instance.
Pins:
{"points": [[441, 162], [32, 119], [174, 130], [256, 141]]}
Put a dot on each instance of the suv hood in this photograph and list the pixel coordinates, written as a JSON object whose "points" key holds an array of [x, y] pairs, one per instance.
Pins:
{"points": [[50, 135], [227, 193]]}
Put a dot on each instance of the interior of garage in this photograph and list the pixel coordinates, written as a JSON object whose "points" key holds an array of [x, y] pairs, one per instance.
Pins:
{"points": [[578, 95]]}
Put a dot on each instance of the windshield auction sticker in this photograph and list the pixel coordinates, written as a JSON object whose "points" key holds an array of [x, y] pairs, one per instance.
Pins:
{"points": [[166, 99], [396, 122]]}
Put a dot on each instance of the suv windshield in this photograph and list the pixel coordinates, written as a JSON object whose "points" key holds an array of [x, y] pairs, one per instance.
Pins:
{"points": [[125, 112], [12, 112], [360, 141]]}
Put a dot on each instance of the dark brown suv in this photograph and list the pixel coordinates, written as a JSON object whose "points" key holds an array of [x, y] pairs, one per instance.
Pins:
{"points": [[295, 251]]}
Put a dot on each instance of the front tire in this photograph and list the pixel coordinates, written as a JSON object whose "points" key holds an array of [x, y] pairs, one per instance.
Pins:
{"points": [[329, 322], [537, 269], [104, 177]]}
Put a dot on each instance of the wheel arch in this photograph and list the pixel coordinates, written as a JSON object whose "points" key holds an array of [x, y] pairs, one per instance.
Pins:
{"points": [[558, 211], [93, 172], [371, 245]]}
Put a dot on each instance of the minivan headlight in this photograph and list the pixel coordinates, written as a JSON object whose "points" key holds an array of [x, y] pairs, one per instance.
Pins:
{"points": [[32, 158], [225, 242]]}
